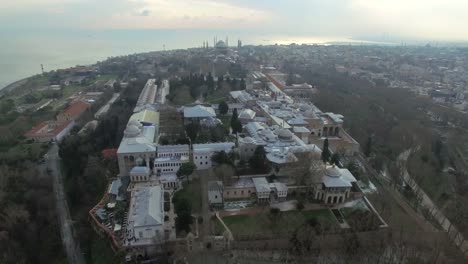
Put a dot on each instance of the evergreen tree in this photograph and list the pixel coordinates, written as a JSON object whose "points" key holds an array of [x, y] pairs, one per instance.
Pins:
{"points": [[368, 147], [223, 108], [210, 82], [242, 84], [234, 118], [258, 162], [325, 151], [335, 159]]}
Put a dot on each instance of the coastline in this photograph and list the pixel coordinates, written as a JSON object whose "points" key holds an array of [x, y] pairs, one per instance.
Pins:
{"points": [[10, 87]]}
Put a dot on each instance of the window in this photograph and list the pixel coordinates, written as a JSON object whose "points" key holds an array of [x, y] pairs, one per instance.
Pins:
{"points": [[201, 163], [242, 192], [235, 192], [249, 191], [206, 163], [227, 193], [216, 196]]}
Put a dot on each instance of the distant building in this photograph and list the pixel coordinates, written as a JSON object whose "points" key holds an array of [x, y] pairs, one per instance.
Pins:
{"points": [[50, 131], [73, 112], [335, 187], [145, 225], [215, 194], [202, 153], [197, 113]]}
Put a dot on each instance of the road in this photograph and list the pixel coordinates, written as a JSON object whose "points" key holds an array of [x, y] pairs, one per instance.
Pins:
{"points": [[72, 247], [397, 197], [426, 202]]}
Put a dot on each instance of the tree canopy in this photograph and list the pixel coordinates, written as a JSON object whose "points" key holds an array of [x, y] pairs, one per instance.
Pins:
{"points": [[186, 169], [258, 162]]}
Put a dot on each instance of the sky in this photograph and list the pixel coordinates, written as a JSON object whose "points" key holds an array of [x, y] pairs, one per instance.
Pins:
{"points": [[444, 20]]}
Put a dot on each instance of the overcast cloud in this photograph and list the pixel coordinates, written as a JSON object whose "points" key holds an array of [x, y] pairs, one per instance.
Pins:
{"points": [[423, 19]]}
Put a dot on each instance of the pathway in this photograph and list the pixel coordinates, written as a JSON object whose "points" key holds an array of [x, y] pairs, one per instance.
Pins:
{"points": [[72, 247], [456, 236]]}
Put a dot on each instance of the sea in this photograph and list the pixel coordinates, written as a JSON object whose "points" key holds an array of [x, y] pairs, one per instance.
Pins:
{"points": [[22, 52]]}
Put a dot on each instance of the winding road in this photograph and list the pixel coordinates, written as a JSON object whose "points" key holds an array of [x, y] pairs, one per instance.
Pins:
{"points": [[72, 247]]}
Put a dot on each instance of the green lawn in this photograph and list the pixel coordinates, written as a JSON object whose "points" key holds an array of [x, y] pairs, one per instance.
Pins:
{"points": [[192, 192], [265, 224]]}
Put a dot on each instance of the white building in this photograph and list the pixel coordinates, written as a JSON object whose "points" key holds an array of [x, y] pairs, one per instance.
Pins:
{"points": [[147, 95], [335, 187], [173, 151], [168, 164], [198, 112], [202, 153], [267, 192], [215, 193], [137, 147], [140, 173], [145, 225], [262, 189]]}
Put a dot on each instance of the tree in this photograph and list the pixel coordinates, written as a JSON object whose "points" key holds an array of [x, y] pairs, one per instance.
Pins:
{"points": [[290, 79], [186, 169], [242, 84], [258, 162], [368, 147], [192, 130], [237, 127], [234, 120], [325, 151], [222, 157], [223, 108], [183, 209], [335, 159]]}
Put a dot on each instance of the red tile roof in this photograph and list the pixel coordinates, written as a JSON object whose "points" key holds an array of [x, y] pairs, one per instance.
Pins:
{"points": [[109, 153], [76, 109], [34, 131]]}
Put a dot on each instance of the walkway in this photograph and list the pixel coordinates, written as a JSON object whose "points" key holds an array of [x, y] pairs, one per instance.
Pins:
{"points": [[426, 202], [72, 247]]}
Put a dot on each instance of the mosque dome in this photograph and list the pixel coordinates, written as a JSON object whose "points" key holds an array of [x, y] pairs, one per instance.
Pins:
{"points": [[131, 131], [284, 134], [333, 172], [221, 45], [310, 114]]}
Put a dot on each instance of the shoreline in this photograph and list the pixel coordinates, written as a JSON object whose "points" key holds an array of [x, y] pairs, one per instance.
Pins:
{"points": [[10, 87]]}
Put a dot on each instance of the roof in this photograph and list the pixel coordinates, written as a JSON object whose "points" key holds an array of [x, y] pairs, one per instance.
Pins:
{"points": [[115, 186], [301, 130], [146, 206], [199, 111], [48, 128], [247, 114], [109, 152], [76, 109], [140, 170], [261, 184], [146, 116], [215, 186], [337, 177]]}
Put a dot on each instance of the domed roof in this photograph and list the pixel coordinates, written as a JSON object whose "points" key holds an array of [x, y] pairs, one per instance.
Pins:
{"points": [[132, 131], [134, 123], [333, 172], [247, 140], [220, 44], [305, 107], [284, 134], [310, 114]]}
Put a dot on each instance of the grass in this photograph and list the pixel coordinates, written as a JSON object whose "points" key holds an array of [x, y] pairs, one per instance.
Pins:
{"points": [[265, 224], [101, 251], [192, 192]]}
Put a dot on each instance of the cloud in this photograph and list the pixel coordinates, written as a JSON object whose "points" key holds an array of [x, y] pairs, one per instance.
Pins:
{"points": [[145, 12], [435, 19]]}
